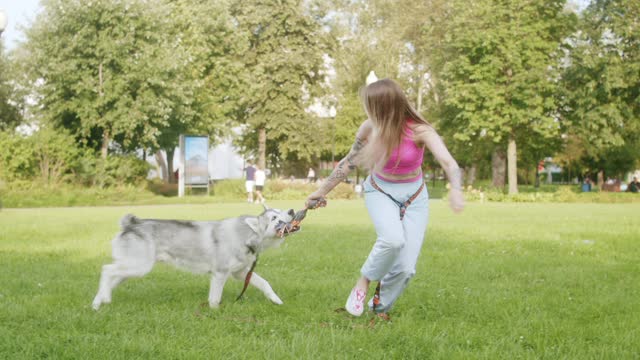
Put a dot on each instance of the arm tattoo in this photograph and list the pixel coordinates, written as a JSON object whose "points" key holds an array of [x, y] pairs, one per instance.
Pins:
{"points": [[343, 168], [355, 150]]}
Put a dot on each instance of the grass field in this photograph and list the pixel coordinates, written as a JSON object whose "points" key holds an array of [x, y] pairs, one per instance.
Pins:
{"points": [[500, 281]]}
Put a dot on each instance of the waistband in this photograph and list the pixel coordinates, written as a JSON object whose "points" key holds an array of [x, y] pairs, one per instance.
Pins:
{"points": [[403, 181]]}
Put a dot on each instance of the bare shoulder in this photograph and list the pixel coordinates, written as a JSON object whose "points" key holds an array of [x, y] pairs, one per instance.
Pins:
{"points": [[421, 127], [364, 130], [423, 132]]}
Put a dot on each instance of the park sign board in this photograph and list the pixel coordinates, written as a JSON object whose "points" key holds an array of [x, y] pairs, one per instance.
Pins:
{"points": [[194, 162]]}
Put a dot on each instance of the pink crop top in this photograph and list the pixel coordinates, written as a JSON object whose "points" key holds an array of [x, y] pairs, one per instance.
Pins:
{"points": [[404, 159]]}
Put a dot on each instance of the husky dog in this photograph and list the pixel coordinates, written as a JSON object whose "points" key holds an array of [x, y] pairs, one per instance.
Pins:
{"points": [[222, 248]]}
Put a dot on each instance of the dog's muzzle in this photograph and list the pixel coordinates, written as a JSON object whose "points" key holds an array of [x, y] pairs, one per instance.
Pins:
{"points": [[286, 228]]}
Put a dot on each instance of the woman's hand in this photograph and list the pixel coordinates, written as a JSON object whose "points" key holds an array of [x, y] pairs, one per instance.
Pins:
{"points": [[456, 200], [315, 196]]}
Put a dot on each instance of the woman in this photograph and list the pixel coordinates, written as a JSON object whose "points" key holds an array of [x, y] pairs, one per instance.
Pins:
{"points": [[391, 144]]}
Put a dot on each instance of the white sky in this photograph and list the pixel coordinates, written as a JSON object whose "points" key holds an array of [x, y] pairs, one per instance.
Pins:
{"points": [[21, 12]]}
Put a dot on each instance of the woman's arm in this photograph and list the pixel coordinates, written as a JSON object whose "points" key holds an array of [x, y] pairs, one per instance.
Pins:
{"points": [[427, 135], [348, 163]]}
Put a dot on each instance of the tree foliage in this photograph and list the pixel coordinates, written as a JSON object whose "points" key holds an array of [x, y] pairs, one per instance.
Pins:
{"points": [[283, 75], [107, 71], [602, 87], [135, 74], [9, 105], [499, 70]]}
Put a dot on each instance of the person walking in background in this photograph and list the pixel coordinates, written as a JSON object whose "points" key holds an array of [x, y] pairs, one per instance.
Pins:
{"points": [[311, 175], [260, 178], [391, 143], [250, 172], [634, 185]]}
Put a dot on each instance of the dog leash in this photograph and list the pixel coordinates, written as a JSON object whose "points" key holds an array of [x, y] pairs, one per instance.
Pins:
{"points": [[247, 279], [402, 206], [297, 219]]}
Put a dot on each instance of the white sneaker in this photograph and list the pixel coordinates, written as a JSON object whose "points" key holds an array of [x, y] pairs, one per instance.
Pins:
{"points": [[355, 302]]}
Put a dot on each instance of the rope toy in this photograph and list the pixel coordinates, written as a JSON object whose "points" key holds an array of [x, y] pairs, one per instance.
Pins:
{"points": [[294, 225]]}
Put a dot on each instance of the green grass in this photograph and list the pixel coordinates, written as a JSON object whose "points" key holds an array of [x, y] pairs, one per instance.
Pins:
{"points": [[500, 281]]}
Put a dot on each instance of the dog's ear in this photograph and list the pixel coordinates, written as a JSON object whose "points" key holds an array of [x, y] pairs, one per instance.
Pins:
{"points": [[254, 224], [265, 206]]}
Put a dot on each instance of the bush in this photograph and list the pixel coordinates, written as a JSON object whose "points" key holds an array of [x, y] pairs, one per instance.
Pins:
{"points": [[56, 154], [280, 190], [50, 156], [115, 170], [17, 161], [32, 194], [230, 189], [562, 194], [47, 155], [120, 170]]}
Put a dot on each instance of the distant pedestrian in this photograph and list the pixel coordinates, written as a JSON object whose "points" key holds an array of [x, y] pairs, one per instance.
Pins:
{"points": [[260, 178], [634, 185], [311, 175], [249, 183], [586, 184]]}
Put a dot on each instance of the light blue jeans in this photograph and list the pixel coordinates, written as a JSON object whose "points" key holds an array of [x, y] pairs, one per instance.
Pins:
{"points": [[395, 253]]}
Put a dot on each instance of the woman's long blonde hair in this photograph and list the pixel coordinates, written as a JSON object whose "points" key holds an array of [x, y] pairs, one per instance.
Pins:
{"points": [[389, 110]]}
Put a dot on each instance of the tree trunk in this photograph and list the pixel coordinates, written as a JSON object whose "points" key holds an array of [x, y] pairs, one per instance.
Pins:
{"points": [[432, 89], [105, 135], [420, 90], [162, 166], [512, 164], [600, 179], [262, 148], [105, 144], [498, 165], [471, 175], [172, 177]]}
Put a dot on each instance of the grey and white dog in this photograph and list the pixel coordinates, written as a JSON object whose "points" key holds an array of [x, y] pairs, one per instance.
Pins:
{"points": [[222, 248]]}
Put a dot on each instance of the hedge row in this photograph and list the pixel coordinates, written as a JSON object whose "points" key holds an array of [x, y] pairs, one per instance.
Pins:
{"points": [[34, 194]]}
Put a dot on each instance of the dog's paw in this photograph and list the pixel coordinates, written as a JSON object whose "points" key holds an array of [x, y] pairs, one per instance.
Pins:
{"points": [[99, 300], [276, 299], [214, 305]]}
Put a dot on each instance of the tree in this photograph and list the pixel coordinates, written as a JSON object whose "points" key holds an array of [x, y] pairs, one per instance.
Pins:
{"points": [[106, 70], [498, 71], [283, 74], [602, 86], [209, 51]]}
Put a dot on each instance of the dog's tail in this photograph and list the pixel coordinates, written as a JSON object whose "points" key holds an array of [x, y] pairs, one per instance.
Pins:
{"points": [[127, 220]]}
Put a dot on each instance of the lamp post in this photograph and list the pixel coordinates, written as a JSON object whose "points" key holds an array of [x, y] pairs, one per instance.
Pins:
{"points": [[3, 21]]}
